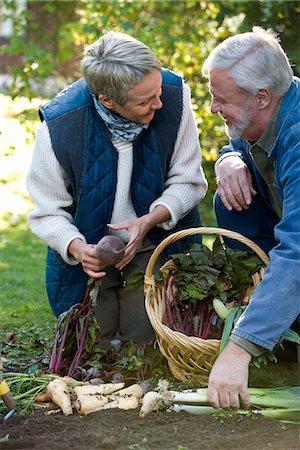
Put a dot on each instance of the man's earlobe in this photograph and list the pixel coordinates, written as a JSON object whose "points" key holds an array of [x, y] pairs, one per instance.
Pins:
{"points": [[263, 98]]}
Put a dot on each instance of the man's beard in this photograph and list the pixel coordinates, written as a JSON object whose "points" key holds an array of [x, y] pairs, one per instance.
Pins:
{"points": [[241, 124]]}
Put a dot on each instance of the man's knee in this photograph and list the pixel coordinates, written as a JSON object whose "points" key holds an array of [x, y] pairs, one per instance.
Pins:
{"points": [[256, 223]]}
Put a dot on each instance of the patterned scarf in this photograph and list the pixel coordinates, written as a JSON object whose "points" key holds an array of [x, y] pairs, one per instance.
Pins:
{"points": [[119, 127]]}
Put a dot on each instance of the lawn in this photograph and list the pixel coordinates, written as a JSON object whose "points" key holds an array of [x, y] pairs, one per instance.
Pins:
{"points": [[25, 316]]}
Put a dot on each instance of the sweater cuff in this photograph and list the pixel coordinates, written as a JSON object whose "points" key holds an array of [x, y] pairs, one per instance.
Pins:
{"points": [[253, 349], [69, 259]]}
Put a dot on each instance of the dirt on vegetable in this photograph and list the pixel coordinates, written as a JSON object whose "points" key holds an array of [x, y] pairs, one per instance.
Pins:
{"points": [[125, 430]]}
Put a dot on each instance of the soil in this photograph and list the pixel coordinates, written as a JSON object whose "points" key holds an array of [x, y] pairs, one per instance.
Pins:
{"points": [[124, 430]]}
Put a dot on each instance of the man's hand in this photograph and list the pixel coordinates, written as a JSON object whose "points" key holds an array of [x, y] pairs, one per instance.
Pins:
{"points": [[86, 255], [228, 380], [235, 183]]}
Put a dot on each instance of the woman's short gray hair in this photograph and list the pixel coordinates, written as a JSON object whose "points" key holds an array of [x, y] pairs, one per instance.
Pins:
{"points": [[255, 60], [115, 63]]}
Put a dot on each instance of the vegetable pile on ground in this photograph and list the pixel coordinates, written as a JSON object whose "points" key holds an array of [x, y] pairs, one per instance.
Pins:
{"points": [[87, 398], [55, 394], [63, 394]]}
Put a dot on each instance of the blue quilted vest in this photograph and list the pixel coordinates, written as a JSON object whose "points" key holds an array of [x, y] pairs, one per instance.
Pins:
{"points": [[82, 145]]}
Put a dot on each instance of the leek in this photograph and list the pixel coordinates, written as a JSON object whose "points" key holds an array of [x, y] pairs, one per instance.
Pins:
{"points": [[195, 409], [282, 404], [287, 397], [231, 319], [285, 415], [281, 414], [199, 397]]}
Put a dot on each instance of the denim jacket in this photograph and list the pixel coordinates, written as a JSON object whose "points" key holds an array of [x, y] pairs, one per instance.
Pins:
{"points": [[275, 303]]}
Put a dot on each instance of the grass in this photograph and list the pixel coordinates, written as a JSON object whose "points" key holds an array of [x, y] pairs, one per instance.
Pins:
{"points": [[26, 321], [22, 261]]}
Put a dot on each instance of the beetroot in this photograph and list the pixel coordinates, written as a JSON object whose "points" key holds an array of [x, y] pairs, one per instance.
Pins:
{"points": [[110, 250]]}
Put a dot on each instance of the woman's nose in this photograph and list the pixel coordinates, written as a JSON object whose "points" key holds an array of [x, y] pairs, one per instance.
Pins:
{"points": [[157, 103]]}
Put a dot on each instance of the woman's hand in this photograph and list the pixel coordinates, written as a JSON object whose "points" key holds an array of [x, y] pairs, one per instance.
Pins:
{"points": [[137, 229], [86, 255]]}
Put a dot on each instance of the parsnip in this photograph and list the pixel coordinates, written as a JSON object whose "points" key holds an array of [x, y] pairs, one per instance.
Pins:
{"points": [[100, 389], [123, 402], [87, 403], [151, 402], [135, 390], [59, 393]]}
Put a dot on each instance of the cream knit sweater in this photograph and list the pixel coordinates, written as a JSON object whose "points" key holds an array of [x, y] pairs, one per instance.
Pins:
{"points": [[48, 184]]}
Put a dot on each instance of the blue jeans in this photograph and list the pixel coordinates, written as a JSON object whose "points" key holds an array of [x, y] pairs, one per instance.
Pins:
{"points": [[256, 223]]}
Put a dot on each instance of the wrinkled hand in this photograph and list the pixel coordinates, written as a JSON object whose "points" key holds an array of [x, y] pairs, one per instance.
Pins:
{"points": [[235, 183], [86, 255], [228, 380], [137, 230], [91, 265]]}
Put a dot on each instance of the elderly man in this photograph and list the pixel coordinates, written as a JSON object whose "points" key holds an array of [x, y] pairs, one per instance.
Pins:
{"points": [[258, 175]]}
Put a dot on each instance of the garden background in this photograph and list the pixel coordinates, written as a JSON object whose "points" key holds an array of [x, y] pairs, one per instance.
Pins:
{"points": [[41, 55]]}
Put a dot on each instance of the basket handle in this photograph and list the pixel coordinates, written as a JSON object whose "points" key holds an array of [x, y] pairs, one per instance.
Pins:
{"points": [[202, 230]]}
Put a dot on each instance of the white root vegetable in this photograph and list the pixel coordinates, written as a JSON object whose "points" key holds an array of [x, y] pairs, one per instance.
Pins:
{"points": [[123, 402], [87, 403], [188, 396], [194, 409], [151, 402], [100, 389], [135, 390], [59, 393]]}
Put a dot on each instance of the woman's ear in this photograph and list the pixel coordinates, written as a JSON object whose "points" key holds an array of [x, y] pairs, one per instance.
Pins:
{"points": [[263, 98], [106, 101]]}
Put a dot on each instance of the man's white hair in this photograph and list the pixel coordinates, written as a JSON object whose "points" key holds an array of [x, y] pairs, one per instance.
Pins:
{"points": [[255, 60]]}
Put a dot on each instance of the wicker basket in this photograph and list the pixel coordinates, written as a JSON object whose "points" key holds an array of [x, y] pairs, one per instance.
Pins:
{"points": [[190, 358]]}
